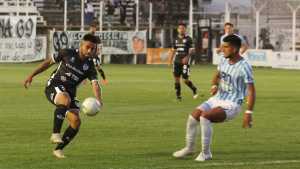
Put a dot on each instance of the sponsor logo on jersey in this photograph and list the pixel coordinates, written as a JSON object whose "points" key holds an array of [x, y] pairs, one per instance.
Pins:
{"points": [[74, 69], [85, 67], [63, 78], [72, 59]]}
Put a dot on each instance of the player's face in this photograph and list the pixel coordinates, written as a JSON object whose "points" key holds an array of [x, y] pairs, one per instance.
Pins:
{"points": [[228, 50], [181, 29], [228, 29], [87, 48], [93, 29]]}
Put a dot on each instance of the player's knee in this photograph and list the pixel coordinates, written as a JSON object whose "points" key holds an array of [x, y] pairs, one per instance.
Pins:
{"points": [[196, 114], [63, 99], [205, 115], [75, 123]]}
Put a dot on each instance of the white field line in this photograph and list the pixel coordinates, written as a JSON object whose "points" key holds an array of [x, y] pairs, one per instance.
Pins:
{"points": [[249, 163]]}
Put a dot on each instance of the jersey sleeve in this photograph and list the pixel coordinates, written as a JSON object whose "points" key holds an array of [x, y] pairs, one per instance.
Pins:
{"points": [[220, 64], [92, 74], [61, 54], [247, 73], [96, 61], [190, 43]]}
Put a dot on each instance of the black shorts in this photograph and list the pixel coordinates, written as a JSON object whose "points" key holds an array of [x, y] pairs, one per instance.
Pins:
{"points": [[52, 90], [181, 70]]}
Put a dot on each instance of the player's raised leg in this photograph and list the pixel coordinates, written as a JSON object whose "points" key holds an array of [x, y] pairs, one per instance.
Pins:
{"points": [[70, 132], [189, 83], [62, 102]]}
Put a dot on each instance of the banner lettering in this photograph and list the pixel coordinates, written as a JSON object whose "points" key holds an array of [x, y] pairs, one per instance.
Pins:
{"points": [[113, 42]]}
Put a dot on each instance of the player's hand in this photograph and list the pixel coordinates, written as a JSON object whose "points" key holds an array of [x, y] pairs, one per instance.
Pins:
{"points": [[104, 81], [84, 82], [185, 60], [27, 82], [213, 89], [100, 102], [247, 121]]}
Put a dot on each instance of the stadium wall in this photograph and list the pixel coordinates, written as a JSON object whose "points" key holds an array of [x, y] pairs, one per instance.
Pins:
{"points": [[268, 58]]}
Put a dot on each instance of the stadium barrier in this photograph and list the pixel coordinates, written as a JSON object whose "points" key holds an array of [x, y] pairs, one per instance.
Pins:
{"points": [[158, 56], [113, 42], [267, 58], [18, 40], [15, 50]]}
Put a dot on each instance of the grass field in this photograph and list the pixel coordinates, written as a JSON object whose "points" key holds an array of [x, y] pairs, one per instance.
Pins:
{"points": [[141, 124]]}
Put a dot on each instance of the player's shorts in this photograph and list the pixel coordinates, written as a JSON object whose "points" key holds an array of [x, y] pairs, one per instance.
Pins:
{"points": [[52, 90], [181, 70], [231, 109]]}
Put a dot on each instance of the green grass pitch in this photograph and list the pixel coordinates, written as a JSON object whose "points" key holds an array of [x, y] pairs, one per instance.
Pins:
{"points": [[141, 124]]}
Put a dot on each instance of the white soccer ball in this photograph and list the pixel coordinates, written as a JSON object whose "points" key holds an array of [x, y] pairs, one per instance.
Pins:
{"points": [[90, 106]]}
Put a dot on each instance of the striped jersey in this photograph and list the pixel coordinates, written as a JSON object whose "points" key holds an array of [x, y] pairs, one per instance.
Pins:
{"points": [[182, 46], [71, 70], [233, 80]]}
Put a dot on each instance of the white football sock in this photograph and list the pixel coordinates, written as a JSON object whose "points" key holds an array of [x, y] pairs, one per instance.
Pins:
{"points": [[191, 131], [206, 133]]}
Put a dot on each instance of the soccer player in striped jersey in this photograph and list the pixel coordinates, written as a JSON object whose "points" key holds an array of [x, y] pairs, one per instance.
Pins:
{"points": [[232, 83], [181, 50], [75, 65]]}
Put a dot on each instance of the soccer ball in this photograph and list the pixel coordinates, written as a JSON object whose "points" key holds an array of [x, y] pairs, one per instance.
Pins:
{"points": [[90, 106]]}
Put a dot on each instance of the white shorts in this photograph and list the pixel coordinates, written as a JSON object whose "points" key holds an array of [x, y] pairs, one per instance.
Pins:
{"points": [[231, 109]]}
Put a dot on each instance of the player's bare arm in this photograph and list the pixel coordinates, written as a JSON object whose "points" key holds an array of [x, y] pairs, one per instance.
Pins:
{"points": [[186, 59], [247, 121], [42, 67], [215, 83], [171, 55], [97, 91]]}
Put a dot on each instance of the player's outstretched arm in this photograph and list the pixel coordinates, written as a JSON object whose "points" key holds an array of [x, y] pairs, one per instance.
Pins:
{"points": [[97, 91], [247, 121], [42, 67]]}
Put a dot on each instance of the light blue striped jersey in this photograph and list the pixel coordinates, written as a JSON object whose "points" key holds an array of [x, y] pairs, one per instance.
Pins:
{"points": [[233, 80]]}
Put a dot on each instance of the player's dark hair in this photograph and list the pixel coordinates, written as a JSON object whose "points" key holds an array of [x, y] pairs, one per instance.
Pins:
{"points": [[93, 24], [91, 38], [228, 24], [182, 24], [234, 41]]}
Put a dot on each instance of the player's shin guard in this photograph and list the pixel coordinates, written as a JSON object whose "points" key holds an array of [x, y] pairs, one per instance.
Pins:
{"points": [[191, 132], [191, 86], [69, 134], [178, 90], [59, 116], [206, 134]]}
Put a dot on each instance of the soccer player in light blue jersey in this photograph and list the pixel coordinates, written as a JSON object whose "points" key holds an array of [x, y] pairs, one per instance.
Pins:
{"points": [[232, 83]]}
